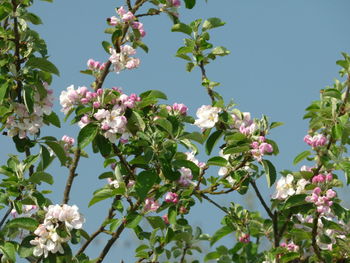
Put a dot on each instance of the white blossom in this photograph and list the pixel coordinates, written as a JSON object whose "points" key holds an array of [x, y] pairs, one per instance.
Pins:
{"points": [[284, 187], [207, 116]]}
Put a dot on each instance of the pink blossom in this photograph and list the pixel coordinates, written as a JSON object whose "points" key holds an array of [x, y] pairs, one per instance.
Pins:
{"points": [[290, 246], [171, 198], [139, 27], [331, 193], [265, 148], [151, 205], [121, 11], [68, 140], [174, 3], [128, 17], [316, 140], [113, 21], [180, 108], [244, 238], [96, 104], [183, 210], [186, 177], [329, 177]]}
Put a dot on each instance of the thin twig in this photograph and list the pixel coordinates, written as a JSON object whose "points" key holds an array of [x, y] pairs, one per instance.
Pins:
{"points": [[100, 229], [262, 201], [204, 77], [184, 251], [71, 176], [214, 203], [128, 4]]}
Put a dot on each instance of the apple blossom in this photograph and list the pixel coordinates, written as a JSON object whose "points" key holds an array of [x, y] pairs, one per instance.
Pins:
{"points": [[208, 116], [284, 187]]}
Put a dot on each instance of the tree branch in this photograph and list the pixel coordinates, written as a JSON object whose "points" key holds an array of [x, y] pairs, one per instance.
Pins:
{"points": [[261, 199], [204, 77], [71, 176], [184, 251], [8, 212]]}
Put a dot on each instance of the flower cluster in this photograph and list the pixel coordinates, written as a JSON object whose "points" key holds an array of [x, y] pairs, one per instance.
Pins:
{"points": [[151, 205], [23, 122], [171, 197], [260, 148], [108, 113], [177, 108], [207, 116], [244, 123], [95, 66], [285, 187], [57, 217], [68, 143], [291, 247], [316, 140], [126, 17], [322, 201], [123, 59]]}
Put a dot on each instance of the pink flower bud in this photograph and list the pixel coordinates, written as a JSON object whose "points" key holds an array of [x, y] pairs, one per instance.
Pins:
{"points": [[85, 119], [244, 238], [91, 63], [171, 197], [121, 11], [113, 21], [265, 148], [84, 101], [183, 210], [131, 183], [329, 177], [317, 191], [99, 92], [96, 104], [255, 145], [331, 193]]}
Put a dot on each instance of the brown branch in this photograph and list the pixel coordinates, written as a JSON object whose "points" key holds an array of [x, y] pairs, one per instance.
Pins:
{"points": [[128, 4], [100, 229], [204, 77], [214, 203], [149, 14], [123, 160], [184, 251], [261, 199], [71, 176]]}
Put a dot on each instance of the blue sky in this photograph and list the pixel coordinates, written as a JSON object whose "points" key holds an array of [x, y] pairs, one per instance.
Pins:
{"points": [[282, 54]]}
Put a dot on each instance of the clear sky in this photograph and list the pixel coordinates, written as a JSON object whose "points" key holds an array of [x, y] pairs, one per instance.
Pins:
{"points": [[282, 53]]}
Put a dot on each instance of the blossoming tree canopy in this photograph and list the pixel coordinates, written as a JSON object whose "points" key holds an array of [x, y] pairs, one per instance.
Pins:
{"points": [[153, 177]]}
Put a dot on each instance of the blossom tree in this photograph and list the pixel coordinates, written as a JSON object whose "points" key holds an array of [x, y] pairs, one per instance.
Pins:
{"points": [[152, 170]]}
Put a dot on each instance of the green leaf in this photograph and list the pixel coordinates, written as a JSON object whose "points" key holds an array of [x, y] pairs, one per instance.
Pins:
{"points": [[3, 91], [87, 134], [334, 93], [144, 182], [270, 172], [301, 157], [28, 98], [212, 255], [153, 94], [165, 124], [172, 215], [289, 257], [220, 51], [212, 141], [190, 3], [236, 149], [33, 18], [275, 124], [42, 64], [38, 177], [135, 122], [181, 27], [156, 222], [53, 119], [212, 23], [23, 222], [10, 251], [133, 220], [26, 249], [58, 150], [224, 231], [337, 131], [190, 66], [103, 194], [106, 46], [194, 136], [218, 161], [103, 145]]}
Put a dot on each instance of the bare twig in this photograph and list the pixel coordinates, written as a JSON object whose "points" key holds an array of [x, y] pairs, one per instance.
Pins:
{"points": [[261, 199], [184, 251]]}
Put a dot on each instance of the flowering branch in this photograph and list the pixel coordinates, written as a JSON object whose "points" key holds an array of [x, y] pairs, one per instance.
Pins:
{"points": [[314, 234]]}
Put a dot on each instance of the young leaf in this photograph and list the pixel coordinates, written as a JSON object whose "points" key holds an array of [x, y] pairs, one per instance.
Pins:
{"points": [[23, 222], [218, 161], [301, 157], [190, 3], [43, 64], [87, 134], [144, 182], [39, 177], [224, 231], [181, 27], [103, 194], [270, 172], [212, 141], [58, 150], [212, 23]]}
